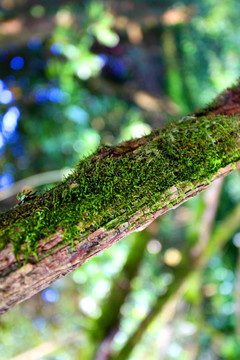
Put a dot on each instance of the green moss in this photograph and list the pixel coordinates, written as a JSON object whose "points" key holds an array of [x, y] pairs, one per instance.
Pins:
{"points": [[109, 187]]}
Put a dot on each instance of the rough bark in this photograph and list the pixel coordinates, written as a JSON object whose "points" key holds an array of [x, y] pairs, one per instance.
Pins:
{"points": [[33, 257]]}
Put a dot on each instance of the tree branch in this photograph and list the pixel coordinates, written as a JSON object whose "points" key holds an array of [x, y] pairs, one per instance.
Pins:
{"points": [[112, 193]]}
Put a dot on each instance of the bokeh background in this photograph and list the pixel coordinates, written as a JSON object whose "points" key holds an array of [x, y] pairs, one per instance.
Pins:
{"points": [[74, 74]]}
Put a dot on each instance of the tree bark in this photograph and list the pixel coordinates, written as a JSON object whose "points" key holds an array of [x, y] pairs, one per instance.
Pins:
{"points": [[112, 193]]}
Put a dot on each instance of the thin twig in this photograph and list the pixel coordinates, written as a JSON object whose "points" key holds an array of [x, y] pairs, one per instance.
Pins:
{"points": [[31, 182]]}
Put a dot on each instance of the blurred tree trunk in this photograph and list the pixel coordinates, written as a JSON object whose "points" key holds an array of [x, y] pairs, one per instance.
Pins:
{"points": [[35, 241], [108, 323]]}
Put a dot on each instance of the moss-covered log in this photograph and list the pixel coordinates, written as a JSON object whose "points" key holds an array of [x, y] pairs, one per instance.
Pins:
{"points": [[112, 193]]}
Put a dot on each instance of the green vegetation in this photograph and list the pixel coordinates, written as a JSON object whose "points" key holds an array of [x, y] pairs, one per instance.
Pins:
{"points": [[98, 72]]}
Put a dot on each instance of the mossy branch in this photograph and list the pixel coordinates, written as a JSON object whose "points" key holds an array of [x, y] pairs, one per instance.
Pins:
{"points": [[110, 194]]}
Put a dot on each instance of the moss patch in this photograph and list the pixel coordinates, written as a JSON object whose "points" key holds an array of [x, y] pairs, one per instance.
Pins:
{"points": [[105, 191]]}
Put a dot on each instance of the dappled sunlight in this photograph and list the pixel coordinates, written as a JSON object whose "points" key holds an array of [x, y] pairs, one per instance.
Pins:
{"points": [[11, 27]]}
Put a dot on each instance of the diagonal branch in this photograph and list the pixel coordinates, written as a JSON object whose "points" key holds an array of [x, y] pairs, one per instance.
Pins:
{"points": [[110, 194]]}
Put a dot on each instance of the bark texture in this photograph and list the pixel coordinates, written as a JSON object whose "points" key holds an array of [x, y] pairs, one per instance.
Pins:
{"points": [[51, 253]]}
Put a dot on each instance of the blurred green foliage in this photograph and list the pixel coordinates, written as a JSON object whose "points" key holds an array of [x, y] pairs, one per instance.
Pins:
{"points": [[104, 72]]}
